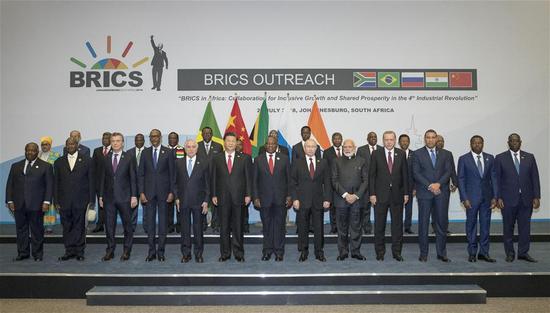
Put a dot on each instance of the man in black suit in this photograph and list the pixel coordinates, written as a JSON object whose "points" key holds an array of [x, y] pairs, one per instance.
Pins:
{"points": [[158, 62], [135, 154], [298, 149], [192, 196], [310, 188], [178, 152], [349, 183], [74, 192], [82, 149], [365, 152], [206, 149], [270, 183], [156, 184], [239, 149], [118, 193], [331, 154], [28, 195], [97, 163], [404, 142], [231, 189], [280, 149], [389, 189], [440, 145]]}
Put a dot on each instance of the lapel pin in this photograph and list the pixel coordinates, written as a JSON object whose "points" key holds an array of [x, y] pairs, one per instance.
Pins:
{"points": [[198, 162], [37, 166], [79, 160], [161, 151], [278, 158]]}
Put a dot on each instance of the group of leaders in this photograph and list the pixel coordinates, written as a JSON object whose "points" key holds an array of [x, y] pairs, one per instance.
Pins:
{"points": [[347, 181]]}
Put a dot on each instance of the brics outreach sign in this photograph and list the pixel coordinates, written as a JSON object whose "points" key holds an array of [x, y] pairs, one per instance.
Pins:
{"points": [[111, 72]]}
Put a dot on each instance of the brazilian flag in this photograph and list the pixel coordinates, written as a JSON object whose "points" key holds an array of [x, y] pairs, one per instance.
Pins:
{"points": [[389, 80]]}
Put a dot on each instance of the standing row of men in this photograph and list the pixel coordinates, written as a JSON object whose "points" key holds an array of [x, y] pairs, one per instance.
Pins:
{"points": [[346, 181]]}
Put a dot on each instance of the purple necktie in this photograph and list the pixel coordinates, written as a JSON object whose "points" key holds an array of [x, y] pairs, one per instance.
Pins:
{"points": [[115, 162]]}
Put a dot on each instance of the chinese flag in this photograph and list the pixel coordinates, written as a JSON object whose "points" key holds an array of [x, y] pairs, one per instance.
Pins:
{"points": [[236, 125], [461, 79]]}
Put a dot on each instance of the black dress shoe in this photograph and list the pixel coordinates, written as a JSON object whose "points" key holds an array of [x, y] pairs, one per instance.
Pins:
{"points": [[486, 258], [21, 257], [278, 258], [443, 259], [161, 258], [409, 231], [38, 259], [321, 258], [379, 257], [423, 258], [171, 229], [239, 259], [510, 258], [246, 228], [185, 259], [359, 257], [98, 228], [199, 259], [223, 258], [150, 258], [398, 258], [472, 258], [334, 230], [178, 228], [108, 257], [266, 257], [125, 256], [80, 258], [66, 257], [303, 257], [341, 257], [527, 258]]}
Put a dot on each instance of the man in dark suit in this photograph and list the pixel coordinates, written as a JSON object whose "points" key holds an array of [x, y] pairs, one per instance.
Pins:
{"points": [[158, 62], [453, 186], [239, 149], [156, 184], [310, 188], [270, 190], [518, 193], [404, 142], [135, 154], [178, 152], [97, 163], [28, 195], [192, 196], [477, 186], [349, 183], [389, 189], [431, 171], [331, 154], [298, 149], [231, 189], [118, 194], [365, 152], [206, 149], [280, 149], [82, 149], [74, 192]]}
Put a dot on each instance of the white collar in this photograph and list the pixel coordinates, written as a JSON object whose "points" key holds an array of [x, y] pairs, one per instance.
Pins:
{"points": [[73, 156]]}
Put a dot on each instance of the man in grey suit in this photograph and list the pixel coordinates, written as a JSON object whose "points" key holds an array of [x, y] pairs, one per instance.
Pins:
{"points": [[349, 182], [365, 152]]}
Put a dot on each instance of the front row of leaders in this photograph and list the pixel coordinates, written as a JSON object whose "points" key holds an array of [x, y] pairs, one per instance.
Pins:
{"points": [[230, 181]]}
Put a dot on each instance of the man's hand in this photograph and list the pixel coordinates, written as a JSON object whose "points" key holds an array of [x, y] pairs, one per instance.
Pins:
{"points": [[405, 199], [467, 204], [493, 203], [215, 201], [170, 197], [247, 200], [453, 188], [536, 203], [133, 202], [372, 200], [288, 202], [326, 204], [178, 204], [434, 187], [414, 192], [143, 198], [10, 206], [257, 203], [351, 198], [100, 202], [296, 204], [204, 208], [500, 203], [45, 207]]}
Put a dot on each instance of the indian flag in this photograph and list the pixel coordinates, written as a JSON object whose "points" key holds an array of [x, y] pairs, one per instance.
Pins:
{"points": [[437, 79]]}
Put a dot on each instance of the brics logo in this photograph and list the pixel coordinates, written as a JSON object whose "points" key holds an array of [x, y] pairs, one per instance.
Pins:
{"points": [[108, 73]]}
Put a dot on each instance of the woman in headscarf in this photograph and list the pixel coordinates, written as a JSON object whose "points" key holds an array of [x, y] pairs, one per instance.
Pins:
{"points": [[46, 154]]}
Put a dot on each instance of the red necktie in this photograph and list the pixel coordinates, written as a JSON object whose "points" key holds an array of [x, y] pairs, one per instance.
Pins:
{"points": [[311, 168], [338, 152], [105, 151], [271, 164], [390, 161], [229, 163]]}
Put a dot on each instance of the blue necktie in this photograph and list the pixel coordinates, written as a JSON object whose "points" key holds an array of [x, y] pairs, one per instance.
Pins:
{"points": [[155, 158], [190, 167], [432, 156], [516, 162], [479, 166]]}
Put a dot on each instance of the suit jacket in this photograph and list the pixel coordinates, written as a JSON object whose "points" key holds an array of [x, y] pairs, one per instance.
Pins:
{"points": [[299, 153], [364, 152], [133, 153], [424, 173], [471, 185], [310, 192], [271, 189], [280, 149], [214, 148], [30, 190], [159, 58], [411, 178], [349, 175], [389, 187], [77, 187], [192, 190], [82, 150], [121, 185], [510, 184], [454, 177], [159, 181], [97, 164], [231, 188]]}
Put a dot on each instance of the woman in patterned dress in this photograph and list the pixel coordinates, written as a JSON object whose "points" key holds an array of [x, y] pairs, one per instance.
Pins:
{"points": [[46, 154]]}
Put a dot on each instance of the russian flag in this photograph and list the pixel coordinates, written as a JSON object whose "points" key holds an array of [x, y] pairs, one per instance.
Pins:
{"points": [[412, 79]]}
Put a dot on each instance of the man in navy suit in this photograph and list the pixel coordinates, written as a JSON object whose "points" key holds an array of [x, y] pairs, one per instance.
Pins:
{"points": [[118, 194], [270, 183], [298, 149], [28, 195], [82, 149], [432, 170], [518, 193], [477, 187], [192, 196], [331, 155], [98, 155], [156, 184], [74, 192], [206, 149], [404, 142], [365, 152]]}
